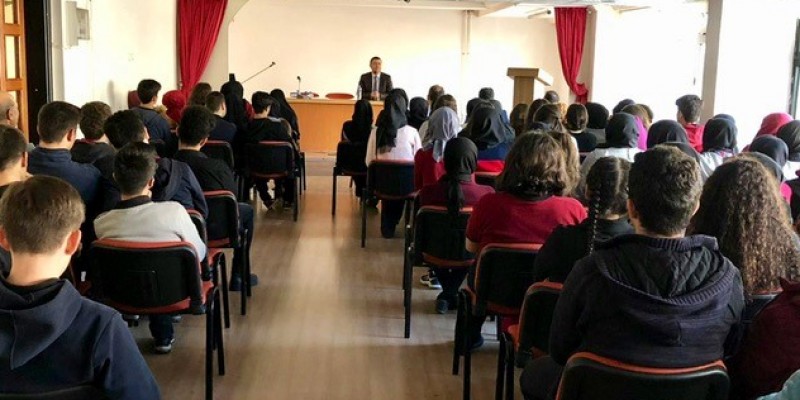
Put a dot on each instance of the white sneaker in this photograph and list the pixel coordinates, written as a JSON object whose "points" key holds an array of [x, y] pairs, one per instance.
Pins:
{"points": [[431, 282]]}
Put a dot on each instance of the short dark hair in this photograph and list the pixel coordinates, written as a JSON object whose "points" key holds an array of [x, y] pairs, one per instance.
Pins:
{"points": [[12, 146], [262, 101], [374, 58], [39, 213], [664, 185], [147, 89], [214, 101], [93, 116], [124, 127], [199, 94], [689, 106], [552, 96], [196, 124], [486, 93], [56, 119], [134, 166], [577, 117]]}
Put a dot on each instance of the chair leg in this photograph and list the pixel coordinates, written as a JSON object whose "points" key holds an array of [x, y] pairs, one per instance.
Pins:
{"points": [[218, 335], [467, 340], [226, 310], [364, 219], [407, 288], [458, 340], [248, 272], [245, 281], [296, 202], [305, 179], [501, 364], [333, 197], [510, 362], [209, 348]]}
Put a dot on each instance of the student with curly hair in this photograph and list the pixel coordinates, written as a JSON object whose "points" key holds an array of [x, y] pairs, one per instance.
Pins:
{"points": [[572, 161]]}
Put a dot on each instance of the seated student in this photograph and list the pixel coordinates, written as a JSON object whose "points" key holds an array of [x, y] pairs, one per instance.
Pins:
{"points": [[94, 145], [575, 122], [790, 134], [157, 126], [137, 218], [195, 125], [392, 139], [417, 112], [175, 102], [13, 166], [777, 172], [772, 123], [666, 131], [51, 337], [598, 119], [428, 165], [621, 106], [493, 138], [265, 128], [355, 134], [535, 106], [174, 179], [550, 116], [655, 298], [689, 107], [643, 122], [572, 160], [455, 189], [445, 100], [774, 148], [223, 130], [517, 118], [607, 191], [621, 141], [719, 143], [199, 94], [286, 112]]}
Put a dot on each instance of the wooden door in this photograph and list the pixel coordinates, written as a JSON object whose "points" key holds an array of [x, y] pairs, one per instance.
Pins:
{"points": [[12, 57]]}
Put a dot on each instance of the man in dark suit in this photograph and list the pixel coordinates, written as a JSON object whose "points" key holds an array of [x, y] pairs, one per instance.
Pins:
{"points": [[375, 85]]}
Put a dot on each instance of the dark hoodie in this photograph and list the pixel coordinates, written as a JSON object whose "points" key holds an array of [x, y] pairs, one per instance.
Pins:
{"points": [[52, 338], [652, 302], [86, 152]]}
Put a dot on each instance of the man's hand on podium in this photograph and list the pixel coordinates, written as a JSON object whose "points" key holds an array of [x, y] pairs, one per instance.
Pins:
{"points": [[375, 96]]}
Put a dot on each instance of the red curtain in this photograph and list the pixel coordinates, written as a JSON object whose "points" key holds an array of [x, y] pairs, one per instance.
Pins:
{"points": [[199, 22], [571, 30]]}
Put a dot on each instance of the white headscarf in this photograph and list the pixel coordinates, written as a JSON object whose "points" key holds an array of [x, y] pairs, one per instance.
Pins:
{"points": [[443, 125]]}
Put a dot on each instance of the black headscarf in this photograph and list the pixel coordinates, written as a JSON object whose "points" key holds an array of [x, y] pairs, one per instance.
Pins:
{"points": [[771, 147], [460, 162], [770, 164], [686, 148], [487, 130], [790, 134], [725, 116], [234, 103], [471, 105], [361, 121], [598, 116], [666, 131], [402, 93], [622, 131], [622, 104], [503, 114], [418, 112], [390, 120], [720, 135], [286, 110]]}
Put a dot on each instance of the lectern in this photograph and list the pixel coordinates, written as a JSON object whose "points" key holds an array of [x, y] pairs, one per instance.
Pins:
{"points": [[529, 83]]}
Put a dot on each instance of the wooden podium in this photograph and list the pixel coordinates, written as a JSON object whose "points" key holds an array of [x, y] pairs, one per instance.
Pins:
{"points": [[529, 83]]}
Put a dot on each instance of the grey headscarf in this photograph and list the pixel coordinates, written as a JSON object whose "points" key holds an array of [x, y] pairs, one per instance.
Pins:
{"points": [[442, 126]]}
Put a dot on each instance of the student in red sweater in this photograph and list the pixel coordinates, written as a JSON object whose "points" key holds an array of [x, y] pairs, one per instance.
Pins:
{"points": [[689, 107], [442, 127]]}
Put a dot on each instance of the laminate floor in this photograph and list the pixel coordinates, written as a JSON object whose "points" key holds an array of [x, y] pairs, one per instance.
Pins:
{"points": [[326, 320]]}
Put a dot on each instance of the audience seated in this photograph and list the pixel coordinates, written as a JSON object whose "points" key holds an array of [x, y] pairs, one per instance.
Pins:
{"points": [[575, 122], [775, 169], [643, 122], [719, 143], [607, 191], [535, 106], [621, 139], [472, 105], [621, 106], [238, 111], [418, 112], [13, 166], [654, 298], [550, 116], [493, 138], [223, 130], [517, 118], [455, 190], [9, 111], [137, 218], [212, 174], [445, 100], [157, 126], [94, 145], [286, 112], [428, 166], [51, 337], [355, 134], [552, 96], [772, 123], [434, 92], [666, 131], [174, 180], [790, 134], [199, 94], [175, 102], [392, 139], [772, 147], [572, 162], [597, 122]]}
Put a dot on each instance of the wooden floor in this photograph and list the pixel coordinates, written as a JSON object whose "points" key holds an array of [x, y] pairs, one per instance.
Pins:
{"points": [[326, 320]]}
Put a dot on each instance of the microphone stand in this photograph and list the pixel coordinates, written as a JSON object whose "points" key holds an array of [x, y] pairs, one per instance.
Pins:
{"points": [[259, 72]]}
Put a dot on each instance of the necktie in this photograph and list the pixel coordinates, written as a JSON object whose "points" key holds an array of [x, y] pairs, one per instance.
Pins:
{"points": [[375, 85]]}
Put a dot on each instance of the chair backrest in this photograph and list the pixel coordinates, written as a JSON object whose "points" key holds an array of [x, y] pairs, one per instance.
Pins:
{"points": [[350, 157], [200, 224], [219, 150], [270, 159], [391, 179], [589, 376], [74, 393], [486, 178], [439, 239], [146, 275], [133, 99], [536, 317], [223, 219], [503, 274]]}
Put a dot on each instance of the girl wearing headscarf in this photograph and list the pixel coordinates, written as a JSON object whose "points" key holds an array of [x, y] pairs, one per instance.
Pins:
{"points": [[234, 103], [622, 139], [352, 150], [442, 127], [598, 120], [492, 137], [772, 122], [358, 129], [286, 111], [772, 153], [392, 139], [175, 102], [455, 190], [418, 112], [666, 131], [790, 134], [719, 143]]}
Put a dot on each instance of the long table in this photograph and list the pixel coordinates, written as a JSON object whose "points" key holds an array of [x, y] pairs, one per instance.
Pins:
{"points": [[321, 121]]}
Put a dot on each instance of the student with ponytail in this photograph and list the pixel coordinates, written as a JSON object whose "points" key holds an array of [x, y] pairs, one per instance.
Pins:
{"points": [[607, 191]]}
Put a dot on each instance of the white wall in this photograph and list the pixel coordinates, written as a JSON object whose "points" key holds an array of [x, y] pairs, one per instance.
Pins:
{"points": [[330, 48], [130, 41]]}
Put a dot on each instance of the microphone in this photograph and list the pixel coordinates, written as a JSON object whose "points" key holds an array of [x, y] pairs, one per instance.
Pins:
{"points": [[299, 80], [298, 85], [257, 73]]}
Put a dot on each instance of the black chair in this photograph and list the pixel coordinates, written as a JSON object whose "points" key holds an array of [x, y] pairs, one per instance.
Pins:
{"points": [[163, 278], [349, 162], [438, 241], [388, 180], [274, 160], [589, 376], [503, 273], [220, 150], [75, 393], [528, 339], [223, 233]]}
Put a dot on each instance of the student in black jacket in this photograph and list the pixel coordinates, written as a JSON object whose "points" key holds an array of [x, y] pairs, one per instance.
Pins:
{"points": [[94, 144], [50, 336], [157, 126], [223, 130], [655, 298]]}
